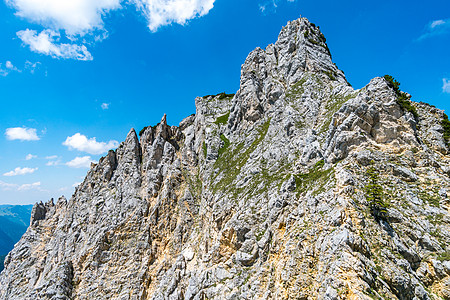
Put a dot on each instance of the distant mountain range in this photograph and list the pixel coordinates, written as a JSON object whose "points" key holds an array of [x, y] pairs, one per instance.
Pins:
{"points": [[14, 221]]}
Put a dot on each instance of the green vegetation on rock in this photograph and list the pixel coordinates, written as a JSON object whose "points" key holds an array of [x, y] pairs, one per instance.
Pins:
{"points": [[402, 99], [332, 106], [222, 119], [205, 149], [233, 157], [296, 89], [221, 96], [444, 256], [445, 123], [374, 195], [142, 131], [314, 180], [330, 75]]}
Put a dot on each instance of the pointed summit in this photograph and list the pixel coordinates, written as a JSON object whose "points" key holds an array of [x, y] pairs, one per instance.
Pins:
{"points": [[267, 75], [301, 47], [303, 42]]}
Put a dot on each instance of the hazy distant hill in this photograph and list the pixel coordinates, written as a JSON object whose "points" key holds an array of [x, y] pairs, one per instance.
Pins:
{"points": [[14, 221]]}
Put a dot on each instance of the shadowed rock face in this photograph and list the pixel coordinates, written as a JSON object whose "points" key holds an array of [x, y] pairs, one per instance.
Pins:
{"points": [[296, 187]]}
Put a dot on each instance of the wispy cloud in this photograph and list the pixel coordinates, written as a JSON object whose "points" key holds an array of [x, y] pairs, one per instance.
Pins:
{"points": [[7, 68], [270, 6], [47, 42], [32, 67], [20, 171], [445, 85], [29, 186], [30, 156], [435, 28], [53, 160], [16, 187], [105, 106], [21, 133], [53, 163], [81, 143], [80, 162], [437, 23]]}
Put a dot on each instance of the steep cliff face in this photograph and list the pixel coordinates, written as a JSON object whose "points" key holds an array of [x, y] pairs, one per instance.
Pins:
{"points": [[296, 187]]}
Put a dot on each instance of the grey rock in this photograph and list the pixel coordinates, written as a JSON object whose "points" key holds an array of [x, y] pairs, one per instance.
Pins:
{"points": [[276, 201]]}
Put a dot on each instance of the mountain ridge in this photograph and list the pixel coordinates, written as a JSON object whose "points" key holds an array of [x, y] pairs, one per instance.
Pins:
{"points": [[298, 186]]}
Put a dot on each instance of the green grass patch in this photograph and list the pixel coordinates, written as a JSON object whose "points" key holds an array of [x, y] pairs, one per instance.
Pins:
{"points": [[233, 157], [221, 96], [315, 179], [205, 149], [296, 90], [332, 106], [433, 200], [444, 256], [222, 119]]}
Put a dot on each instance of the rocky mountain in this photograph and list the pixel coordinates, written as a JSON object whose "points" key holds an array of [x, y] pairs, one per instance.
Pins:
{"points": [[14, 221], [296, 187]]}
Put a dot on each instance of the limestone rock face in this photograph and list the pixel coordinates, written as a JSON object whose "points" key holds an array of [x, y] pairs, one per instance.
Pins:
{"points": [[296, 187]]}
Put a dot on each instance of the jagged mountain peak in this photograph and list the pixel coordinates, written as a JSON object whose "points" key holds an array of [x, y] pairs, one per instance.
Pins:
{"points": [[269, 75], [297, 186]]}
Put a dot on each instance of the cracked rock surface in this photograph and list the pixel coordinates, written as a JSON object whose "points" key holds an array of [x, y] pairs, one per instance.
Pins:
{"points": [[296, 187]]}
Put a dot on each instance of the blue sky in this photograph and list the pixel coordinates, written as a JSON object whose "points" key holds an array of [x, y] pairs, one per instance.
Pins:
{"points": [[76, 75]]}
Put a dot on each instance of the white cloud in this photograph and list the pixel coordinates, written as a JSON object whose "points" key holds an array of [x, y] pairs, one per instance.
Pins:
{"points": [[8, 68], [29, 186], [82, 21], [53, 160], [23, 187], [53, 163], [435, 28], [76, 17], [445, 85], [32, 66], [165, 12], [437, 23], [82, 143], [46, 42], [76, 184], [21, 133], [30, 156], [270, 6], [105, 106], [81, 17], [80, 162], [20, 171], [7, 186]]}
